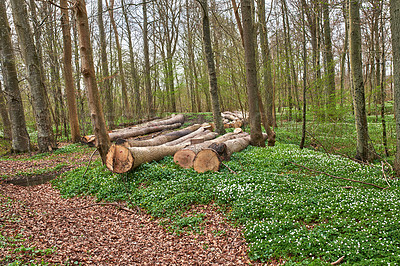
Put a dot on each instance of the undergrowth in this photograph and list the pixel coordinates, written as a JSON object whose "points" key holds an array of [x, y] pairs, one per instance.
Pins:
{"points": [[288, 213]]}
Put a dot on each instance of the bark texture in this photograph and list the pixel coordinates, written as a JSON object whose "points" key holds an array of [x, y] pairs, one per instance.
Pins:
{"points": [[395, 27], [96, 111], [20, 140], [69, 79], [358, 82], [46, 140], [251, 75]]}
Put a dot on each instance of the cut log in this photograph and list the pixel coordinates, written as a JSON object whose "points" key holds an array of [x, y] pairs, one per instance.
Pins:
{"points": [[121, 159], [173, 120], [185, 156], [159, 140], [230, 116], [211, 161], [207, 161]]}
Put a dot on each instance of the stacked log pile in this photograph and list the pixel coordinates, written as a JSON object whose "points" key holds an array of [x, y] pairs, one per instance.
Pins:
{"points": [[233, 119], [194, 146]]}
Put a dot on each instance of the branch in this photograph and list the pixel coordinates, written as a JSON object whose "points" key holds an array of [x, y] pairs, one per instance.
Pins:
{"points": [[337, 177], [230, 170], [338, 261], [109, 204]]}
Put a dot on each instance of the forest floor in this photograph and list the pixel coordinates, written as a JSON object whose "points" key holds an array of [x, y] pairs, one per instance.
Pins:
{"points": [[38, 225]]}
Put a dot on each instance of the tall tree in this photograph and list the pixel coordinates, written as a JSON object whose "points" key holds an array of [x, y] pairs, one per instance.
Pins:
{"points": [[20, 137], [219, 125], [127, 108], [134, 71], [147, 81], [35, 76], [395, 27], [69, 79], [105, 83], [358, 82], [89, 77], [330, 63], [256, 137]]}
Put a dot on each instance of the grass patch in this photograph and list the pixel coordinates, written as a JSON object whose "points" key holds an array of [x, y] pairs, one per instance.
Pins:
{"points": [[287, 211]]}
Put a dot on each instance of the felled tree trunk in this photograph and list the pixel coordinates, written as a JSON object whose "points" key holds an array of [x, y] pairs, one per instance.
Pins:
{"points": [[159, 140], [185, 156], [150, 127], [121, 159], [187, 137], [210, 159]]}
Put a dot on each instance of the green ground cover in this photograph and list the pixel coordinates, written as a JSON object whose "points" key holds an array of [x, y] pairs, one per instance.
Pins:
{"points": [[287, 211]]}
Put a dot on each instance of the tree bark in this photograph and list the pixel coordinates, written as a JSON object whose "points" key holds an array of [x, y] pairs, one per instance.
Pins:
{"points": [[69, 79], [358, 82], [20, 137], [105, 83], [147, 82], [4, 116], [395, 27], [211, 69], [330, 63], [35, 77], [97, 116], [125, 99], [251, 75]]}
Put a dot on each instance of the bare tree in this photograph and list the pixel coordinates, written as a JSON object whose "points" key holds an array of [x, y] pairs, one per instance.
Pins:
{"points": [[219, 125], [251, 74], [35, 76], [69, 79], [96, 110], [20, 137]]}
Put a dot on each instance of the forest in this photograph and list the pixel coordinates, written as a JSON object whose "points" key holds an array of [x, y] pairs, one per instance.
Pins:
{"points": [[204, 131]]}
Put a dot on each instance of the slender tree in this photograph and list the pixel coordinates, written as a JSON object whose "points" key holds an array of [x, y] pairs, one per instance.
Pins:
{"points": [[147, 81], [219, 125], [96, 110], [395, 27], [69, 79], [20, 137], [105, 83], [35, 76], [358, 82], [4, 116], [256, 137]]}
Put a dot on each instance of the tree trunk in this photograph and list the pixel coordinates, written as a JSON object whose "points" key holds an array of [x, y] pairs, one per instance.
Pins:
{"points": [[251, 75], [35, 77], [358, 82], [121, 159], [330, 63], [211, 69], [134, 72], [159, 140], [69, 80], [395, 27], [127, 108], [147, 82], [105, 83], [4, 116], [97, 116], [185, 157], [20, 137]]}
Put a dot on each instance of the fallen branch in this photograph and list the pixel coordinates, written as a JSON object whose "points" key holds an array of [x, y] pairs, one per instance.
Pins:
{"points": [[90, 160], [337, 177], [230, 170], [338, 261]]}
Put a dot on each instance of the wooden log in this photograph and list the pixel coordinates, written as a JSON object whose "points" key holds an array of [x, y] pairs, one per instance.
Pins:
{"points": [[230, 116], [159, 140], [121, 159], [149, 127], [186, 137], [205, 160], [185, 156]]}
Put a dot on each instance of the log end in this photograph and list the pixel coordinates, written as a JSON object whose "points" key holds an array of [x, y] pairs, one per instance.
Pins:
{"points": [[206, 160], [184, 158], [119, 159]]}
